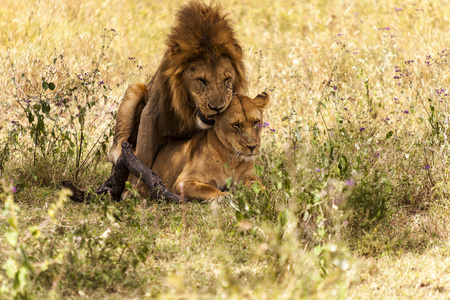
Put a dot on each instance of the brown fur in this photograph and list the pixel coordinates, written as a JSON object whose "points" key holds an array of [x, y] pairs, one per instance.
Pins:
{"points": [[204, 163], [201, 69]]}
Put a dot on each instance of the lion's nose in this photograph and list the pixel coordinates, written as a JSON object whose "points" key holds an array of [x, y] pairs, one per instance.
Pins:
{"points": [[217, 109]]}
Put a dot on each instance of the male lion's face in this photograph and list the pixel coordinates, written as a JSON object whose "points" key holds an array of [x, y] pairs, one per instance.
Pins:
{"points": [[210, 87], [239, 128]]}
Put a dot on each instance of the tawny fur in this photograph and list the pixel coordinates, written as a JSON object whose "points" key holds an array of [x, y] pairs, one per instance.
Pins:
{"points": [[200, 70], [200, 167]]}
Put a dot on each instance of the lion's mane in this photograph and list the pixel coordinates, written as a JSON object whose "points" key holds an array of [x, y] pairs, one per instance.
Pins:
{"points": [[200, 31]]}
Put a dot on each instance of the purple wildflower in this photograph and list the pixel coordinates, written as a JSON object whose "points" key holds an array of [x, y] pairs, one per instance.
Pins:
{"points": [[362, 129], [426, 167], [350, 182], [406, 112]]}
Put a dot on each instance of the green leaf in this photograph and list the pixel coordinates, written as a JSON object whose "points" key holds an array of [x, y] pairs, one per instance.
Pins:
{"points": [[37, 107], [11, 237], [10, 267], [40, 125], [239, 216], [34, 230], [44, 85], [81, 119], [389, 134], [343, 165], [45, 107], [20, 281], [51, 86], [305, 216], [228, 182], [30, 117], [256, 187]]}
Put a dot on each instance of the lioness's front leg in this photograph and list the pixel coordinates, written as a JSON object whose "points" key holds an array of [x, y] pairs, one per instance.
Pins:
{"points": [[200, 191]]}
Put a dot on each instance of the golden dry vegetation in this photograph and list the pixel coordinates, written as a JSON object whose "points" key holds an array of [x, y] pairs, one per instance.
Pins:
{"points": [[355, 155]]}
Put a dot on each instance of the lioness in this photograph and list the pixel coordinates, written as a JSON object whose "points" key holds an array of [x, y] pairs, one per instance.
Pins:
{"points": [[201, 69], [204, 162]]}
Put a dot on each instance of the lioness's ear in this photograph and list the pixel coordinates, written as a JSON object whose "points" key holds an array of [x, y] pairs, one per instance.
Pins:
{"points": [[262, 100]]}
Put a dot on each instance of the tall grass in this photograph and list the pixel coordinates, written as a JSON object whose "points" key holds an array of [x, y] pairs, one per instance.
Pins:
{"points": [[354, 159]]}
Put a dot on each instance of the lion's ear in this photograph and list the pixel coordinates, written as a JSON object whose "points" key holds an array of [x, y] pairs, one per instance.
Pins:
{"points": [[262, 100], [175, 48], [238, 49]]}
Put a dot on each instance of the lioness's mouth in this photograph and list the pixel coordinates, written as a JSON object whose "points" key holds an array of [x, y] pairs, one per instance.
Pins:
{"points": [[208, 120], [249, 157]]}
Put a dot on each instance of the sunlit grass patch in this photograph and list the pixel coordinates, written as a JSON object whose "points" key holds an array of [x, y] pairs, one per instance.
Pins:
{"points": [[354, 157]]}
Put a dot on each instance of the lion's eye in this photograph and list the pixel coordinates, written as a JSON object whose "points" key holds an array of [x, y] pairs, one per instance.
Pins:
{"points": [[203, 81], [257, 123], [227, 81], [236, 126]]}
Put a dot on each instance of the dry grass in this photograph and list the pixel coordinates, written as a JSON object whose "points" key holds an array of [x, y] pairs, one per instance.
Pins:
{"points": [[409, 276], [338, 58]]}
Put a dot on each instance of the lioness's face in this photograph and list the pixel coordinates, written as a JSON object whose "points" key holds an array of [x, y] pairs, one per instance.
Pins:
{"points": [[239, 127], [210, 87]]}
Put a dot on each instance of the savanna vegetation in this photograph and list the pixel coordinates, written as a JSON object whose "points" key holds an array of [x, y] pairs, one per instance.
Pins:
{"points": [[354, 159]]}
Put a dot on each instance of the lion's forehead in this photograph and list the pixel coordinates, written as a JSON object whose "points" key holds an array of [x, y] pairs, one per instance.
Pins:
{"points": [[223, 68]]}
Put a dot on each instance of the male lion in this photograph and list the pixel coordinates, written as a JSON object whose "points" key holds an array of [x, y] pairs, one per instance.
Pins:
{"points": [[201, 69], [204, 163]]}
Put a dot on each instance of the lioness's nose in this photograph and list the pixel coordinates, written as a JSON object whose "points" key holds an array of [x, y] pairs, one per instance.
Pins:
{"points": [[251, 148]]}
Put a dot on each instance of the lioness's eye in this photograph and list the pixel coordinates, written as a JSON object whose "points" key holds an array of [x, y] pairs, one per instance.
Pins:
{"points": [[236, 126], [257, 123]]}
